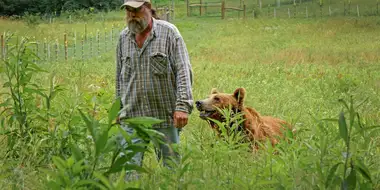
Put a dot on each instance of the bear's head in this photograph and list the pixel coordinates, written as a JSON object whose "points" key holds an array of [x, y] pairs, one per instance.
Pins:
{"points": [[208, 107]]}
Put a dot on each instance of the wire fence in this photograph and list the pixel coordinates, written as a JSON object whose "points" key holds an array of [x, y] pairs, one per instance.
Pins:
{"points": [[79, 46]]}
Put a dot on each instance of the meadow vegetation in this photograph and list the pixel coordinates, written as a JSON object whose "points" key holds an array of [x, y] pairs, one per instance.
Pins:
{"points": [[320, 74]]}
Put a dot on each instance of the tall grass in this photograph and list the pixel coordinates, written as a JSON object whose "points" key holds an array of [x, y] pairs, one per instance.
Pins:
{"points": [[297, 70]]}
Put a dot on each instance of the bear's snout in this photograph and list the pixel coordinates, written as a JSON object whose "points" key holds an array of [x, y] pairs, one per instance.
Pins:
{"points": [[198, 104]]}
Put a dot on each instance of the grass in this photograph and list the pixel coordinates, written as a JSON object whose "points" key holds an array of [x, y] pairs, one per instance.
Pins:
{"points": [[295, 69]]}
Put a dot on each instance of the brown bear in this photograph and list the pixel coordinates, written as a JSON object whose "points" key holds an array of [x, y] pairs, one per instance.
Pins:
{"points": [[256, 127]]}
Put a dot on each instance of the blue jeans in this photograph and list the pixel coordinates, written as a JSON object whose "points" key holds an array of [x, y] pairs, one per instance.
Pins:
{"points": [[163, 151]]}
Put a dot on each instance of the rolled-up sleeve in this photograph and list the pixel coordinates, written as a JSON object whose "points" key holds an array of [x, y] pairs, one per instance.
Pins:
{"points": [[184, 76]]}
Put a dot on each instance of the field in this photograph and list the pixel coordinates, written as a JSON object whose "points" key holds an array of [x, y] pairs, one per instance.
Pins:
{"points": [[295, 69]]}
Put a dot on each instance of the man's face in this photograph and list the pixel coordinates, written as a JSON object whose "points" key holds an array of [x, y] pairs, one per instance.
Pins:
{"points": [[138, 18]]}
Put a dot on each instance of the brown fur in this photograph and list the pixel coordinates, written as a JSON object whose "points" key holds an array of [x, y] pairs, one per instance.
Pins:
{"points": [[257, 128]]}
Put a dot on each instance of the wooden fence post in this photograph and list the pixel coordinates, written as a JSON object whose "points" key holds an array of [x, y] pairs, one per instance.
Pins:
{"points": [[85, 31], [6, 48], [330, 12], [289, 12], [82, 42], [112, 35], [349, 7], [105, 40], [49, 52], [2, 46], [260, 4], [45, 50], [244, 9], [167, 14], [35, 50], [172, 10], [98, 41], [200, 7], [91, 45], [65, 45], [187, 8], [56, 50], [75, 45], [357, 9], [223, 9]]}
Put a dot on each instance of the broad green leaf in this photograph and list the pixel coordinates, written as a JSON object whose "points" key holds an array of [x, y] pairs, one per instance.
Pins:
{"points": [[76, 151], [112, 114], [331, 174], [120, 183], [103, 179], [187, 156], [59, 162], [184, 169], [78, 167], [118, 164], [70, 162], [90, 182], [130, 167], [144, 121], [351, 179], [126, 136], [137, 147], [112, 143], [53, 185], [343, 127], [89, 124], [363, 170], [218, 123], [101, 142]]}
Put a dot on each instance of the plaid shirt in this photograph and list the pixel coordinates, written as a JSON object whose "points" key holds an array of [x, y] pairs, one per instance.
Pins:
{"points": [[154, 80]]}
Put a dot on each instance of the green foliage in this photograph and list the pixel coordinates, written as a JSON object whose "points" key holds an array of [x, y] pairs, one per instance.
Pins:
{"points": [[81, 158], [19, 7], [18, 112], [352, 160], [230, 129], [83, 170]]}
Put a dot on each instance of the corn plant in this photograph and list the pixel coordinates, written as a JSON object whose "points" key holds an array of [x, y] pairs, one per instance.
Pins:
{"points": [[18, 113], [95, 167]]}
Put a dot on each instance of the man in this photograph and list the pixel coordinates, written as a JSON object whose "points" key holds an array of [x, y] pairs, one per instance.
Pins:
{"points": [[153, 75]]}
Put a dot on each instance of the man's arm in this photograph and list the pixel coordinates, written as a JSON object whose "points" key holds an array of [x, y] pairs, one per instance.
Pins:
{"points": [[184, 76]]}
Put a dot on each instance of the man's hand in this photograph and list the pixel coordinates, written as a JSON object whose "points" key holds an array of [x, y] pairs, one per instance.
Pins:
{"points": [[180, 119]]}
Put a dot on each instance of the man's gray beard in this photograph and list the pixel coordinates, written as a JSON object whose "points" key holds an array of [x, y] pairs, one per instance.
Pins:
{"points": [[137, 26]]}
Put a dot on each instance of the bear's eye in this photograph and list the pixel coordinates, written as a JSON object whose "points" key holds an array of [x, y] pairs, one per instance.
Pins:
{"points": [[216, 99]]}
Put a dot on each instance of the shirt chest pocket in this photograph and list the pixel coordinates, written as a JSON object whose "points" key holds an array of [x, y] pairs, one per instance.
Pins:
{"points": [[159, 63], [126, 67]]}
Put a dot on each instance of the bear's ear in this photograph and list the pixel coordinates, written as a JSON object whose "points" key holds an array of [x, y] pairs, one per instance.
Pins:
{"points": [[239, 95], [214, 91]]}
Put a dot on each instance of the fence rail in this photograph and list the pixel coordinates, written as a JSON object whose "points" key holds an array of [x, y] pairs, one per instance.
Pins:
{"points": [[283, 9]]}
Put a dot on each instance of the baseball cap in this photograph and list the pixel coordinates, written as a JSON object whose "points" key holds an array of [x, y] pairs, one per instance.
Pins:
{"points": [[133, 3]]}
